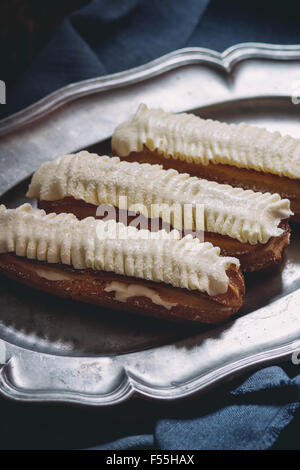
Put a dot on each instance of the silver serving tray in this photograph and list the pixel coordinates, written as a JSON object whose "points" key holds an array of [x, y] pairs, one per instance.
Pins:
{"points": [[57, 350]]}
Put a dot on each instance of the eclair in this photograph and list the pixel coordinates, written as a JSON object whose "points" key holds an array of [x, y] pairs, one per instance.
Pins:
{"points": [[248, 225], [237, 154], [114, 266]]}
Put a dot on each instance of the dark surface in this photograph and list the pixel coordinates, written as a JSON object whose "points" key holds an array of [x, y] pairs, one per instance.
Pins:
{"points": [[25, 28]]}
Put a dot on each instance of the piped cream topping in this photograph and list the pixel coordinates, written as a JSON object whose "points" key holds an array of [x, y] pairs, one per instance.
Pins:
{"points": [[123, 292], [245, 215], [189, 138], [113, 247]]}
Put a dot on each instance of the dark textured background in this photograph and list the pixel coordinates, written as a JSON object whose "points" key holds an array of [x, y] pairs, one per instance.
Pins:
{"points": [[45, 45], [25, 28]]}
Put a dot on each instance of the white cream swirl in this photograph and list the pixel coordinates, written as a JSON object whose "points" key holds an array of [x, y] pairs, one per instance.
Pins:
{"points": [[247, 216], [188, 137], [113, 247]]}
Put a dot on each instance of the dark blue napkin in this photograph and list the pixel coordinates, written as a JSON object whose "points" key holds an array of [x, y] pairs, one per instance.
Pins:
{"points": [[257, 411], [110, 36], [106, 37], [250, 416]]}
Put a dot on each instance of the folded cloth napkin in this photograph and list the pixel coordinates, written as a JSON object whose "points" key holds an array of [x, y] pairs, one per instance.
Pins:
{"points": [[257, 411], [110, 36], [250, 416], [107, 37]]}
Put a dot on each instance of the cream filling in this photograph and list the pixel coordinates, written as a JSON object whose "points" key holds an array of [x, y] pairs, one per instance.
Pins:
{"points": [[124, 291], [53, 275]]}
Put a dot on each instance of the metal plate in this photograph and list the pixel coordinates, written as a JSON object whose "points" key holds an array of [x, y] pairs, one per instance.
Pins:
{"points": [[56, 350]]}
